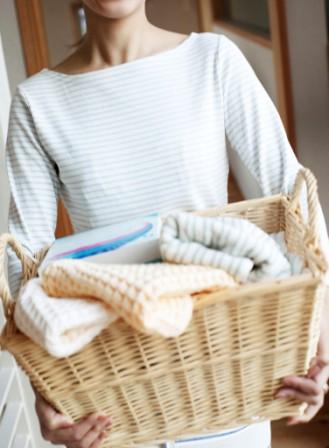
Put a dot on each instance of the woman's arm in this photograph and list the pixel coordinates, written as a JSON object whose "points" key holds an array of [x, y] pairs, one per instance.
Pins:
{"points": [[34, 190], [256, 133], [34, 186], [259, 143]]}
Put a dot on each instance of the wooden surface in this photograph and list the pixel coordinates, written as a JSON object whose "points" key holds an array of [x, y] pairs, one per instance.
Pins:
{"points": [[314, 434], [220, 18], [281, 60], [33, 35], [233, 28], [205, 14]]}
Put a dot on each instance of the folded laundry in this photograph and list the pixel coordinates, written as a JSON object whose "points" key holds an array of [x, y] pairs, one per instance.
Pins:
{"points": [[61, 327], [57, 310], [234, 244], [153, 297], [74, 300]]}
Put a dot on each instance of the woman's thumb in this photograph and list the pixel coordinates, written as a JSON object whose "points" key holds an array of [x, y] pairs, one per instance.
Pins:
{"points": [[62, 421], [54, 419]]}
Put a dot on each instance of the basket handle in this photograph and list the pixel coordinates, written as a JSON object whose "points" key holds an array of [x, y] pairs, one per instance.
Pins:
{"points": [[311, 234], [306, 175], [29, 267]]}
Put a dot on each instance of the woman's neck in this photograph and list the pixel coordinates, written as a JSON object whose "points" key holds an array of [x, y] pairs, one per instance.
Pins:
{"points": [[111, 42], [115, 41]]}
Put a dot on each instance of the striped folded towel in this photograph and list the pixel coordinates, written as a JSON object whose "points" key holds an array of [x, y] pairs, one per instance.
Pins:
{"points": [[236, 245], [74, 300]]}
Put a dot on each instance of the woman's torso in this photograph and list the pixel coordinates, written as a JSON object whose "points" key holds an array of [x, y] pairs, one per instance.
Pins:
{"points": [[139, 137]]}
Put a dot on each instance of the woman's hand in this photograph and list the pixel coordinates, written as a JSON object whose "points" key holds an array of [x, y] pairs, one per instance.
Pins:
{"points": [[60, 430], [309, 388]]}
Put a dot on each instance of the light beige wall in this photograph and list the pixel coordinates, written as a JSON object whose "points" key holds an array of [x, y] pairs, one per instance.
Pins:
{"points": [[4, 112], [309, 70], [11, 43], [260, 57]]}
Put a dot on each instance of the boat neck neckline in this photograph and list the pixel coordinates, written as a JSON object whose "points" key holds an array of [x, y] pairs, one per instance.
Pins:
{"points": [[117, 67]]}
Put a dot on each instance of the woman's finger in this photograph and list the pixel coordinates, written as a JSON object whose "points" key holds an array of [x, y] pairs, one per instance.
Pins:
{"points": [[319, 368], [304, 385], [321, 378], [293, 393], [297, 420], [76, 432], [309, 413], [99, 440], [91, 436], [49, 418]]}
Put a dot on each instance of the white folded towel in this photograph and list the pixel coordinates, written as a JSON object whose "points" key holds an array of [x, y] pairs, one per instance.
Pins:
{"points": [[63, 326], [236, 245]]}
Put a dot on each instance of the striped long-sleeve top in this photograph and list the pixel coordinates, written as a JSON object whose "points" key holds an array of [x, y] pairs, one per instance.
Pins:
{"points": [[144, 136]]}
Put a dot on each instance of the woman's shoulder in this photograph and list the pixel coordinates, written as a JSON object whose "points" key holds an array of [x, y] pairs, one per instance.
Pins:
{"points": [[208, 40], [215, 45], [213, 39], [36, 84]]}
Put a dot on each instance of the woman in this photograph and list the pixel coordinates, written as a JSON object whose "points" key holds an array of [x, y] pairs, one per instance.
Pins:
{"points": [[135, 121]]}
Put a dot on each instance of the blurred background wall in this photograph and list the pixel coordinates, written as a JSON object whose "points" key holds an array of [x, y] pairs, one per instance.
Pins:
{"points": [[11, 43], [309, 61]]}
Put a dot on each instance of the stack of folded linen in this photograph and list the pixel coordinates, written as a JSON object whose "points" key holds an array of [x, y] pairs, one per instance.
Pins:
{"points": [[155, 298], [74, 300]]}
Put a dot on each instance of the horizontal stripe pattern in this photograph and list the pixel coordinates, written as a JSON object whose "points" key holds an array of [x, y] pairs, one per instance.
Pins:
{"points": [[236, 245]]}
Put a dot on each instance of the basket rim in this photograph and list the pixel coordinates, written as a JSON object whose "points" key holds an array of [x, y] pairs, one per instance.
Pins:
{"points": [[241, 292], [265, 286]]}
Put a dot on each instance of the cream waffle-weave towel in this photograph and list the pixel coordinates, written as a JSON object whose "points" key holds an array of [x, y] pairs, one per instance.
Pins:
{"points": [[155, 298], [236, 245], [61, 327]]}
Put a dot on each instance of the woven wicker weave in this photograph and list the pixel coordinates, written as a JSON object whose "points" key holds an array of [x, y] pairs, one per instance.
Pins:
{"points": [[220, 373]]}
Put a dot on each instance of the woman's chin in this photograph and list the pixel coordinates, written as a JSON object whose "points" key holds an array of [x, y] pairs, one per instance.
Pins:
{"points": [[113, 9]]}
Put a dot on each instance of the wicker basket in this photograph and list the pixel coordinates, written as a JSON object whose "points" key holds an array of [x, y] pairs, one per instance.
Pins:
{"points": [[220, 373]]}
